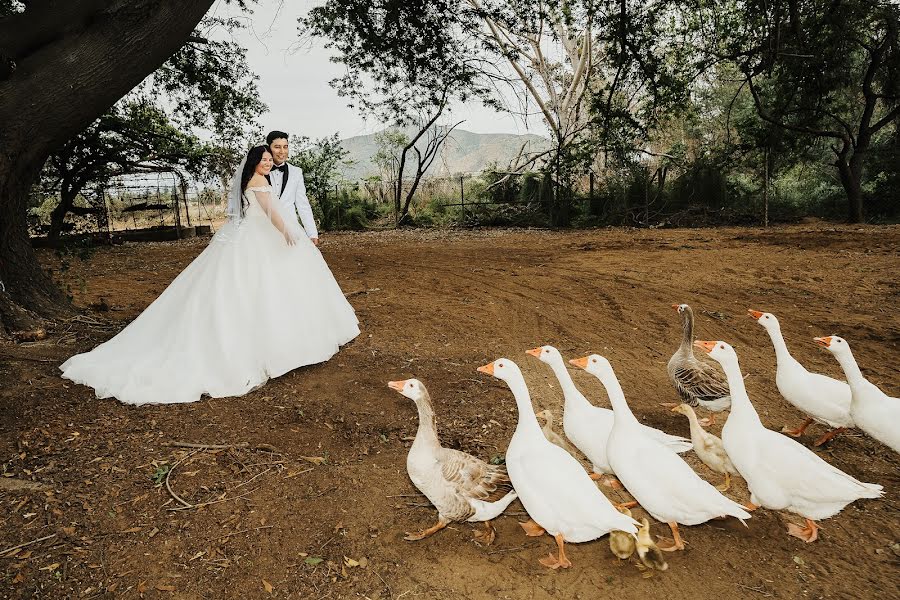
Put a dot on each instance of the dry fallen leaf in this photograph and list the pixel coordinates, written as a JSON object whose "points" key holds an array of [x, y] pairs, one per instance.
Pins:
{"points": [[164, 587], [267, 586], [52, 567], [350, 562], [316, 460]]}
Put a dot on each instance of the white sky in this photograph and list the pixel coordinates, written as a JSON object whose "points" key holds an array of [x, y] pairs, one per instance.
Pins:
{"points": [[294, 82]]}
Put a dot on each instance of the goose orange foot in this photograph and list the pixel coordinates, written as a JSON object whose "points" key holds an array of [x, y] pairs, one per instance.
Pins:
{"points": [[420, 535], [667, 545], [623, 505], [554, 562], [808, 534], [607, 481], [828, 436], [487, 536], [532, 529], [798, 431]]}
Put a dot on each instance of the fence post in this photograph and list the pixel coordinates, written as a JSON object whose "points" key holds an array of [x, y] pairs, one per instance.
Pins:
{"points": [[337, 199], [462, 200]]}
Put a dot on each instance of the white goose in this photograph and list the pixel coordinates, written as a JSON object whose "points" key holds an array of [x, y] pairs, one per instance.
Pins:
{"points": [[554, 488], [588, 426], [872, 410], [661, 482], [823, 399], [460, 486], [781, 473]]}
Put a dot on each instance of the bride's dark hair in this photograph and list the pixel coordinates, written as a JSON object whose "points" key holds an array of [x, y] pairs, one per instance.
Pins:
{"points": [[254, 157]]}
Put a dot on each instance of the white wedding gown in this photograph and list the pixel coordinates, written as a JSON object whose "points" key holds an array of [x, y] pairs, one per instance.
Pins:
{"points": [[249, 308]]}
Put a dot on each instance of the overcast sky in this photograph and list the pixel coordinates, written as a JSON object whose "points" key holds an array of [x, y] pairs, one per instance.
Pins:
{"points": [[293, 81]]}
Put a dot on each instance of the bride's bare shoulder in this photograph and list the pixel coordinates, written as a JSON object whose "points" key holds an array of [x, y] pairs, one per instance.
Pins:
{"points": [[257, 181]]}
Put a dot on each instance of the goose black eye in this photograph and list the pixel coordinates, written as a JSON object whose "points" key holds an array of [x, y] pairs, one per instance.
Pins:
{"points": [[722, 347], [767, 316], [500, 365]]}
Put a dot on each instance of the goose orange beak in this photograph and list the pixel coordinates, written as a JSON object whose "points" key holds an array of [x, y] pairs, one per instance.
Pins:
{"points": [[754, 313], [487, 369], [535, 351], [397, 385], [705, 346], [825, 342], [676, 306], [581, 363]]}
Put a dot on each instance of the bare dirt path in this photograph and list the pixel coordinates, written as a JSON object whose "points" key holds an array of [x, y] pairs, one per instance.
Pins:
{"points": [[436, 305]]}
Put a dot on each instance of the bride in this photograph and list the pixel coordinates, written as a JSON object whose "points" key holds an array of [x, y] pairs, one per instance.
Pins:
{"points": [[258, 302]]}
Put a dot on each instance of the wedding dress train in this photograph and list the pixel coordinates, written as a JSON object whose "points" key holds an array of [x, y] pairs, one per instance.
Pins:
{"points": [[248, 308]]}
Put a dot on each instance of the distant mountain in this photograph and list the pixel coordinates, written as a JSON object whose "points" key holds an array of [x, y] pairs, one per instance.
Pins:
{"points": [[463, 152]]}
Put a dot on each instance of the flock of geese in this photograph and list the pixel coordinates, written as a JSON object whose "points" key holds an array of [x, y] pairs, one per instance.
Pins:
{"points": [[563, 500]]}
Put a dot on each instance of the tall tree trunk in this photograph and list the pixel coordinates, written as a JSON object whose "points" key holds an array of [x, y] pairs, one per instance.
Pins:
{"points": [[65, 63], [850, 172], [58, 216]]}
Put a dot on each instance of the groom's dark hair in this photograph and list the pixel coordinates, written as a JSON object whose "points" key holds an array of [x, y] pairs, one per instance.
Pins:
{"points": [[275, 135]]}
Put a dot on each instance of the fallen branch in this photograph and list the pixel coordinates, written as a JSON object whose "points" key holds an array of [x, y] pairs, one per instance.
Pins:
{"points": [[266, 447], [175, 496], [29, 358], [19, 485], [8, 550], [207, 446]]}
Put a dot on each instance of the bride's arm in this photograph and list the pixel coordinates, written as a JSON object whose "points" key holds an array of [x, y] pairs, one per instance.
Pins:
{"points": [[265, 202]]}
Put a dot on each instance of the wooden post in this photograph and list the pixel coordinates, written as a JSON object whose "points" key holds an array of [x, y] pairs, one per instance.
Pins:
{"points": [[177, 211], [462, 200], [766, 190], [187, 213]]}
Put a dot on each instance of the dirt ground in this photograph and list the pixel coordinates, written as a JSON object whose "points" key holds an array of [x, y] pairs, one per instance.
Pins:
{"points": [[313, 499]]}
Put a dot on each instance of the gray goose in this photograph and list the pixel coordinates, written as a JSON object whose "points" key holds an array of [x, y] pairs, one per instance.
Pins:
{"points": [[699, 383]]}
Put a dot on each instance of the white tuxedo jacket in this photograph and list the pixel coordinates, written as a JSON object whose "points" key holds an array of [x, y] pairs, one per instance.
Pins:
{"points": [[293, 199]]}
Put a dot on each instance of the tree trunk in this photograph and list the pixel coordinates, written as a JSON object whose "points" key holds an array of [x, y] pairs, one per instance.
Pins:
{"points": [[58, 216], [850, 172], [72, 60]]}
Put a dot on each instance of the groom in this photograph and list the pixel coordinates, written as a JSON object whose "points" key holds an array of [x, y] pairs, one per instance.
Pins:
{"points": [[287, 182]]}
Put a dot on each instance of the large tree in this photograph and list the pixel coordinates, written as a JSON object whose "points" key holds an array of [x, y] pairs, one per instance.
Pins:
{"points": [[405, 64], [205, 87], [133, 137], [824, 69], [63, 63]]}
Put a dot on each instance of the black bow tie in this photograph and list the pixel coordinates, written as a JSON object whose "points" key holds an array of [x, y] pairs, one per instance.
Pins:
{"points": [[282, 167]]}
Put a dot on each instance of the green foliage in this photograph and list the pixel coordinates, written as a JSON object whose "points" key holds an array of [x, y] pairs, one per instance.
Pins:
{"points": [[205, 87], [320, 160]]}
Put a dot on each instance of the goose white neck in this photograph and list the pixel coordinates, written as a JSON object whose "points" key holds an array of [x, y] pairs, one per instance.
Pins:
{"points": [[850, 367], [782, 354], [570, 392], [427, 431], [527, 419], [740, 401], [621, 410]]}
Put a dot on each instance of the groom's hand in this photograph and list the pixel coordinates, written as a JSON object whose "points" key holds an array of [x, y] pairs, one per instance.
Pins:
{"points": [[315, 241]]}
